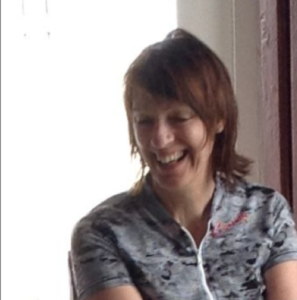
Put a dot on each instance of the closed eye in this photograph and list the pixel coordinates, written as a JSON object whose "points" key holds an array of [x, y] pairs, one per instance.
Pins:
{"points": [[144, 121], [180, 119]]}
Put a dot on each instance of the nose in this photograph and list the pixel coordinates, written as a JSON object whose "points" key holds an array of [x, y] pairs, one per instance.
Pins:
{"points": [[162, 135]]}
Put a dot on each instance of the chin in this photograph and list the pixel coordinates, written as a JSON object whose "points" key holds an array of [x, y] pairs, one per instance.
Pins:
{"points": [[169, 183]]}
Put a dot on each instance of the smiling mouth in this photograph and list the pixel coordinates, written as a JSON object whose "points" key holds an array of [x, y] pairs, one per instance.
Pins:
{"points": [[171, 159]]}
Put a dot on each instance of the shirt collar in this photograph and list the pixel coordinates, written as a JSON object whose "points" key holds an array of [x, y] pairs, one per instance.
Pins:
{"points": [[155, 207]]}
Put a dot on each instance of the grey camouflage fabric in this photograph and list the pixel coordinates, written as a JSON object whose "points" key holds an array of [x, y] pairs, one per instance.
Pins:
{"points": [[134, 241]]}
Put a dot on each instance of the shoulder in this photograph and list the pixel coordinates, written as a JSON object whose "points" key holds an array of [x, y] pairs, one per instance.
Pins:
{"points": [[255, 200], [262, 202], [248, 190], [99, 224], [259, 194]]}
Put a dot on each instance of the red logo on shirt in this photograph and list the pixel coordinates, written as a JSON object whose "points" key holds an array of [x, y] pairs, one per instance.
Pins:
{"points": [[221, 227]]}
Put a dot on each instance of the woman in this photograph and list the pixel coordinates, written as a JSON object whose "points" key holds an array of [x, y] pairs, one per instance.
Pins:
{"points": [[192, 228]]}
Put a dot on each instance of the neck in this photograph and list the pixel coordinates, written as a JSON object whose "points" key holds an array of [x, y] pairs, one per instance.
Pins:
{"points": [[191, 204]]}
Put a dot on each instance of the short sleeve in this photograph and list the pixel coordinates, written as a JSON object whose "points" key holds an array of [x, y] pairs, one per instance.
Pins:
{"points": [[95, 261], [283, 232]]}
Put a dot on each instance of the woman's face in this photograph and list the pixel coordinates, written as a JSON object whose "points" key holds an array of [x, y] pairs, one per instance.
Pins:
{"points": [[172, 140]]}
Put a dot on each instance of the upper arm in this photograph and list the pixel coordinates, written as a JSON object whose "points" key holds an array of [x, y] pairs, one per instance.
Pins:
{"points": [[280, 272], [96, 264], [281, 281], [117, 293], [282, 233]]}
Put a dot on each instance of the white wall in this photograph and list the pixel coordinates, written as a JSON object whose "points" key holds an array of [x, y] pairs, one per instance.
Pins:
{"points": [[64, 133], [64, 138], [231, 28]]}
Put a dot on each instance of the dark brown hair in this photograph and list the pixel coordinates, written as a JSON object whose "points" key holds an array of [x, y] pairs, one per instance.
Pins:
{"points": [[183, 68]]}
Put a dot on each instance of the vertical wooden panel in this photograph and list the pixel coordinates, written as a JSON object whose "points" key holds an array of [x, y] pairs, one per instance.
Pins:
{"points": [[276, 99], [270, 95], [293, 30]]}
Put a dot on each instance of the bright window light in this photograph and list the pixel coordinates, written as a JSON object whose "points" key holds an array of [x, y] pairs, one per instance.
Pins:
{"points": [[64, 132]]}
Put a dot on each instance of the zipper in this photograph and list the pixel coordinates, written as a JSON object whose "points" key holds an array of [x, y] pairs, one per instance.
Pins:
{"points": [[199, 259]]}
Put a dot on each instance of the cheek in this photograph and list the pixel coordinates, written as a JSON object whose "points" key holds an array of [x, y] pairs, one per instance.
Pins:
{"points": [[196, 139], [141, 137], [199, 143]]}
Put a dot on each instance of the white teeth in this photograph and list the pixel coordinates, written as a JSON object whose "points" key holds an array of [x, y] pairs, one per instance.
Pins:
{"points": [[170, 158]]}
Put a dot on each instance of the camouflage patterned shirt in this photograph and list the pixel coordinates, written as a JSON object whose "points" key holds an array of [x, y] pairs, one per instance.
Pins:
{"points": [[134, 241]]}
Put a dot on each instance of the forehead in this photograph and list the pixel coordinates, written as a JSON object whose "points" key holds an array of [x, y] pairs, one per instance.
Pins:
{"points": [[149, 103]]}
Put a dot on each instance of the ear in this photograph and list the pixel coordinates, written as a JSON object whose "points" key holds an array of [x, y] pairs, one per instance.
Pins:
{"points": [[220, 126]]}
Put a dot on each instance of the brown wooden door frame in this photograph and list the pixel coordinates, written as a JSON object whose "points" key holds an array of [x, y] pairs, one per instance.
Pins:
{"points": [[278, 58], [293, 38]]}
